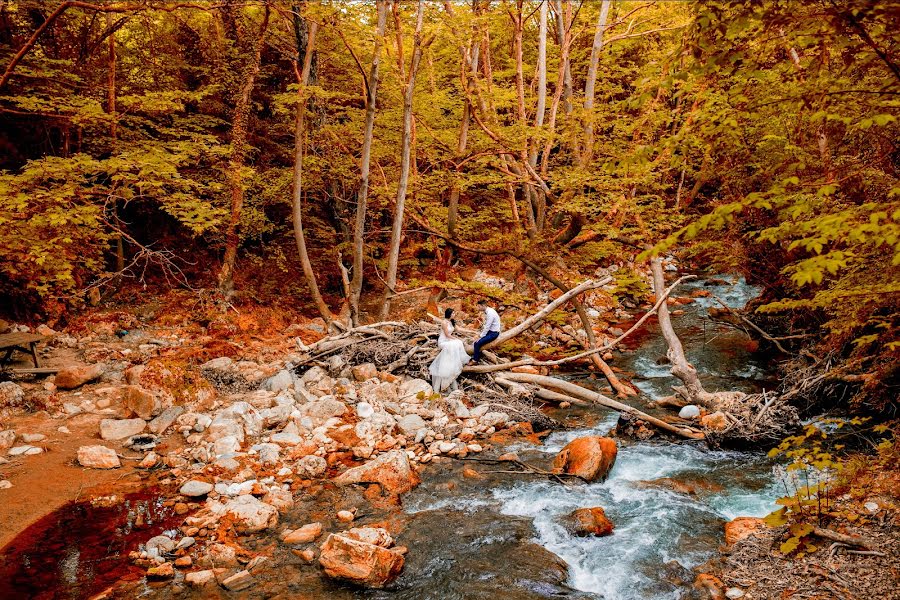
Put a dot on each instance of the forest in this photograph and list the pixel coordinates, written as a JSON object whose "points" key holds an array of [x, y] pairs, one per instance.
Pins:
{"points": [[207, 206]]}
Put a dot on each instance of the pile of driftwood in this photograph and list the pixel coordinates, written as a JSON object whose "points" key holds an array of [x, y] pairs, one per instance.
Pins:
{"points": [[517, 387]]}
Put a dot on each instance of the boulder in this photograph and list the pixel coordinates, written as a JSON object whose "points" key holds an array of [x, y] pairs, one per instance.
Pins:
{"points": [[11, 394], [163, 571], [200, 578], [410, 424], [323, 409], [286, 438], [359, 562], [223, 363], [311, 467], [138, 402], [410, 390], [98, 457], [73, 376], [364, 372], [239, 581], [742, 527], [589, 521], [494, 419], [165, 419], [118, 429], [249, 514], [195, 488], [371, 535], [391, 471], [304, 535], [281, 380], [590, 458]]}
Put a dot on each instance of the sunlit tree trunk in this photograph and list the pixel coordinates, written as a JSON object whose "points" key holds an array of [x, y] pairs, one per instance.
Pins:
{"points": [[356, 283], [240, 119], [114, 134], [587, 149], [406, 135], [305, 49], [539, 200]]}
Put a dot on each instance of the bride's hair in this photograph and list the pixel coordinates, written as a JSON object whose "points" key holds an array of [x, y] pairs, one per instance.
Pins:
{"points": [[448, 314]]}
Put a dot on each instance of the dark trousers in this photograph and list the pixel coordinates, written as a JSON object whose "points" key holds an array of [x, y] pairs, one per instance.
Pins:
{"points": [[487, 339]]}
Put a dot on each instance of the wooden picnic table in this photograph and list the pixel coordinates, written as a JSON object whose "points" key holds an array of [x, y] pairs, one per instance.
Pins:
{"points": [[23, 342]]}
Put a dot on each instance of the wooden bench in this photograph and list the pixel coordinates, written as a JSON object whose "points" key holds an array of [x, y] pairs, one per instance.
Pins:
{"points": [[23, 342]]}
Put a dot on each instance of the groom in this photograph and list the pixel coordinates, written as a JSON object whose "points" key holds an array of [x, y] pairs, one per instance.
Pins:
{"points": [[489, 331]]}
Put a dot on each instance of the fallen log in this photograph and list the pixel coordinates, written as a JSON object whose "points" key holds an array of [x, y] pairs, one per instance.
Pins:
{"points": [[604, 348], [542, 314], [591, 396]]}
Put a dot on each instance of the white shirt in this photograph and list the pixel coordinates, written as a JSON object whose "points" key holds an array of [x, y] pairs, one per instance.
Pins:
{"points": [[491, 321]]}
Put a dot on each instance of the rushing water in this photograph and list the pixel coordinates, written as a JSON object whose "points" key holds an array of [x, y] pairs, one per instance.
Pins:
{"points": [[653, 525]]}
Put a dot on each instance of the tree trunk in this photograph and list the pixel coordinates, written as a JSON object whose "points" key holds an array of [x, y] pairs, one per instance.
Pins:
{"points": [[469, 62], [693, 390], [240, 122], [397, 230], [360, 223], [114, 134], [585, 394], [589, 84], [306, 50]]}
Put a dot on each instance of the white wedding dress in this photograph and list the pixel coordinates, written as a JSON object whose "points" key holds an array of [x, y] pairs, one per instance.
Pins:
{"points": [[450, 362]]}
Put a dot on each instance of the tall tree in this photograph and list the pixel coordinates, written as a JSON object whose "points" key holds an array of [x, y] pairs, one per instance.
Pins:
{"points": [[305, 36], [406, 142], [240, 118], [356, 283]]}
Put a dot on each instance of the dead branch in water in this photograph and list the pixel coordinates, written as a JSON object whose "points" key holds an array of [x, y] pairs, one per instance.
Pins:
{"points": [[591, 396]]}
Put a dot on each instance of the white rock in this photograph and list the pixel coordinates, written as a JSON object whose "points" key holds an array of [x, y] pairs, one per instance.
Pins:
{"points": [[411, 425], [690, 411], [493, 419], [5, 484], [119, 429], [445, 447], [161, 543], [226, 445], [734, 593], [19, 450], [200, 578], [249, 514], [223, 363], [281, 380], [32, 438], [479, 411], [364, 410], [872, 507], [195, 487], [7, 439], [410, 390], [98, 457], [286, 438]]}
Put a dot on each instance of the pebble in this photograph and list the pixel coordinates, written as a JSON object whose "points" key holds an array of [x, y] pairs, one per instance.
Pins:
{"points": [[31, 438], [345, 516], [64, 429], [872, 507], [5, 484], [734, 593]]}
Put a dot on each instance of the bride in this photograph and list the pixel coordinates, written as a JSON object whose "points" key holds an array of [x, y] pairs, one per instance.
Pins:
{"points": [[453, 357]]}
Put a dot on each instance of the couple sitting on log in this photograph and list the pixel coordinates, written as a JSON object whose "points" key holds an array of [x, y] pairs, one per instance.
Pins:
{"points": [[453, 357]]}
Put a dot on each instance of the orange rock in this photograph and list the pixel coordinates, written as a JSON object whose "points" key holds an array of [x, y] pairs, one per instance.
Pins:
{"points": [[742, 527], [526, 369], [590, 521], [710, 586], [359, 562], [590, 458], [470, 473], [391, 471], [716, 421], [139, 402]]}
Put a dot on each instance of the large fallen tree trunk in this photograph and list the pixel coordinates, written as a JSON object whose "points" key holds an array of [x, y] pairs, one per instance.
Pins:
{"points": [[542, 314], [608, 346], [579, 392]]}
